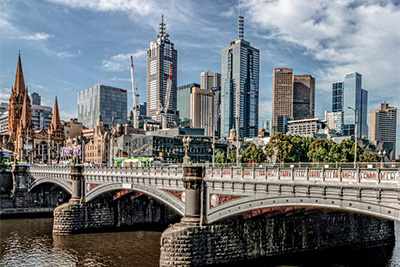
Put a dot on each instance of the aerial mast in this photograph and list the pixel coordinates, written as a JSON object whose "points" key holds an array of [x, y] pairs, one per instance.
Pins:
{"points": [[135, 98]]}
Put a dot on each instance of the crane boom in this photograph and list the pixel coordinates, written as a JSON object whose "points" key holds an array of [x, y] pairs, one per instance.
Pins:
{"points": [[168, 92], [135, 97]]}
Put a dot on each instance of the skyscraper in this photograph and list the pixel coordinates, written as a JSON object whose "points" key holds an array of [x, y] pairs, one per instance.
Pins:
{"points": [[202, 109], [209, 80], [160, 57], [239, 86], [303, 97], [36, 99], [383, 125], [350, 94], [282, 102], [107, 101]]}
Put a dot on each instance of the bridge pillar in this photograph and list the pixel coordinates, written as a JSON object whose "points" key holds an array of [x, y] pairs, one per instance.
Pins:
{"points": [[192, 181], [20, 179], [77, 184]]}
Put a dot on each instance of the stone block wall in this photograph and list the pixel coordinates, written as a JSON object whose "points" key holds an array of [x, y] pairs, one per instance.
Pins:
{"points": [[239, 239], [106, 213]]}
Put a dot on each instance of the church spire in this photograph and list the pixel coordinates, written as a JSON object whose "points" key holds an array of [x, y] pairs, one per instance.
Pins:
{"points": [[25, 122], [19, 84], [55, 121]]}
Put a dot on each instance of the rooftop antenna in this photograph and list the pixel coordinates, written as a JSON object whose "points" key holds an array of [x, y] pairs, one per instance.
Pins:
{"points": [[162, 27], [241, 23]]}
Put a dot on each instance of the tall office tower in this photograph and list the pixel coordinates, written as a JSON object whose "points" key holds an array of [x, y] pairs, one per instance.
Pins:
{"points": [[383, 125], [107, 101], [36, 99], [142, 109], [282, 103], [160, 56], [41, 117], [209, 80], [183, 105], [217, 111], [337, 96], [303, 97], [350, 94], [239, 86], [202, 109]]}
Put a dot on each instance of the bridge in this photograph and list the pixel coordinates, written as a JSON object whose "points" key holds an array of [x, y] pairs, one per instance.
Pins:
{"points": [[228, 214], [238, 190]]}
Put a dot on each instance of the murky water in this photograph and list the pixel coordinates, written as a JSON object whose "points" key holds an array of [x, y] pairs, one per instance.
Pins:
{"points": [[29, 242]]}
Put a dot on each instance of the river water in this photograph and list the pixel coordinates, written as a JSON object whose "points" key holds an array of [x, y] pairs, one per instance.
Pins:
{"points": [[29, 242]]}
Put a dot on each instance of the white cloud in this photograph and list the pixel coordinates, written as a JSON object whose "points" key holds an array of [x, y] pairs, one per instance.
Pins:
{"points": [[36, 36], [121, 62], [5, 94], [66, 54], [67, 114]]}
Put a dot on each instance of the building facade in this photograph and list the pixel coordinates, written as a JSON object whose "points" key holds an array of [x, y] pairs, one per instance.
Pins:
{"points": [[334, 121], [217, 111], [268, 128], [183, 104], [209, 80], [160, 57], [240, 86], [41, 117], [293, 96], [36, 99], [350, 93], [303, 97], [97, 145], [202, 109], [383, 125], [306, 127], [109, 102], [142, 109]]}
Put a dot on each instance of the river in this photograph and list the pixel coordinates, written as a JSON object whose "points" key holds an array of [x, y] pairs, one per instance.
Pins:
{"points": [[29, 242]]}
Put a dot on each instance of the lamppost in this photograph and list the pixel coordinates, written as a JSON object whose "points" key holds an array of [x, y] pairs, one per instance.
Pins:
{"points": [[186, 142], [111, 141], [355, 135], [382, 154]]}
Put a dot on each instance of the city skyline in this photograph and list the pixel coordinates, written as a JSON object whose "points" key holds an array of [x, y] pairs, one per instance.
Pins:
{"points": [[65, 62]]}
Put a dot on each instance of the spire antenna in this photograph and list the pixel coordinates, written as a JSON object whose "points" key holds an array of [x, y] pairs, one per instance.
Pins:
{"points": [[162, 27], [241, 27]]}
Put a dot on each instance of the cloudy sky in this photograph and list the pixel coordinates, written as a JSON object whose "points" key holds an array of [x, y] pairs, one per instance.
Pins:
{"points": [[71, 45]]}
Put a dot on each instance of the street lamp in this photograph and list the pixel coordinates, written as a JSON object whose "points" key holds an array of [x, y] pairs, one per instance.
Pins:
{"points": [[382, 154], [355, 135], [186, 142], [112, 140]]}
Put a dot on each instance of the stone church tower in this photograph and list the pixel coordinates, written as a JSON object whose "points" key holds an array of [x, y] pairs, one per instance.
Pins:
{"points": [[56, 132]]}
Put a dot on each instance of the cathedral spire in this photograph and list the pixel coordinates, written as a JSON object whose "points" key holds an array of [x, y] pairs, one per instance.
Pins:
{"points": [[25, 122], [19, 84], [55, 121]]}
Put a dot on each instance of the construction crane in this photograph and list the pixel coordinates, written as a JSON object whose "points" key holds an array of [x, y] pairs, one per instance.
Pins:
{"points": [[136, 107], [164, 110]]}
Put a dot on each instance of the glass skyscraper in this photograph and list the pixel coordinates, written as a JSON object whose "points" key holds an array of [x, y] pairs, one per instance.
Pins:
{"points": [[349, 93], [105, 100], [240, 83]]}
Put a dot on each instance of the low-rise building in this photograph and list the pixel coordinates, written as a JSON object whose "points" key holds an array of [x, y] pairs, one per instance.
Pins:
{"points": [[307, 127]]}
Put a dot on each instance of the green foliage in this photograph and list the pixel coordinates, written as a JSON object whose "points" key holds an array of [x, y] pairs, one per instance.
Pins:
{"points": [[220, 157], [253, 153], [293, 148], [232, 156]]}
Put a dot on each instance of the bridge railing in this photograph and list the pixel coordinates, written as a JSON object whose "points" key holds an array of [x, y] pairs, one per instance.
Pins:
{"points": [[135, 171], [347, 175]]}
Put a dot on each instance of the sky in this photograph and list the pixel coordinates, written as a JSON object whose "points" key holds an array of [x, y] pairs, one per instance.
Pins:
{"points": [[70, 45]]}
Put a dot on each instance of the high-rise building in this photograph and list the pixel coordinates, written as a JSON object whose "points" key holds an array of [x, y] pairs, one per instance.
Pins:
{"points": [[209, 80], [142, 109], [240, 86], [293, 96], [108, 101], [282, 103], [267, 126], [303, 97], [41, 117], [36, 99], [349, 93], [202, 109], [183, 105], [217, 111], [160, 57], [383, 125], [337, 96]]}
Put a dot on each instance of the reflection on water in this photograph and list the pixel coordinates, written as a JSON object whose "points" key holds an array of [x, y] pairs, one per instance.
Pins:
{"points": [[29, 242]]}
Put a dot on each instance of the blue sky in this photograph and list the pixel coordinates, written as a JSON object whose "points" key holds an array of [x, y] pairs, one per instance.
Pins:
{"points": [[71, 45]]}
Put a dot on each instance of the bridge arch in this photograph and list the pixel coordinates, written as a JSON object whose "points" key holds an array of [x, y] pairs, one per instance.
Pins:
{"points": [[157, 194], [63, 184], [241, 206]]}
